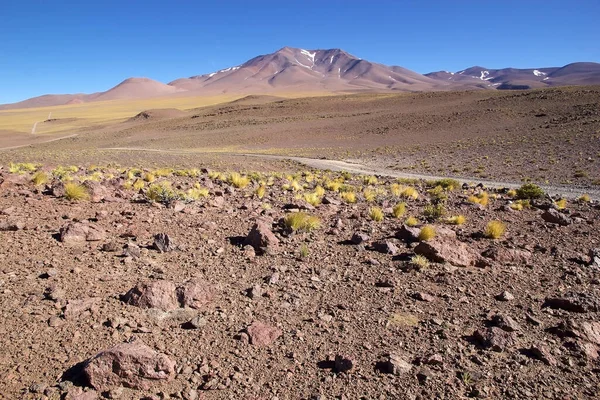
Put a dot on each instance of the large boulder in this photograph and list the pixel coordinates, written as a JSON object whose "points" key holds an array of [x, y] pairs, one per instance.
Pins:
{"points": [[132, 365], [556, 217], [79, 232], [448, 250], [157, 294], [261, 238]]}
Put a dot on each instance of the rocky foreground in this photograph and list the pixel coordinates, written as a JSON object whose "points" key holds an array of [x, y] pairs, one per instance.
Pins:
{"points": [[128, 283]]}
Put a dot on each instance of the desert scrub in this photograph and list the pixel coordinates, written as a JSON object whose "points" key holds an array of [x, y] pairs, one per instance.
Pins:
{"points": [[312, 198], [427, 233], [333, 186], [446, 184], [300, 221], [238, 181], [530, 191], [370, 180], [585, 198], [399, 210], [511, 193], [411, 221], [304, 251], [21, 168], [519, 205], [63, 173], [163, 172], [161, 192], [75, 191], [39, 178], [149, 177], [434, 211], [438, 194], [370, 195], [396, 189], [456, 220], [133, 173], [481, 198], [319, 191], [409, 192], [138, 184], [260, 191], [419, 261], [376, 214], [495, 229], [196, 193], [561, 204], [349, 197]]}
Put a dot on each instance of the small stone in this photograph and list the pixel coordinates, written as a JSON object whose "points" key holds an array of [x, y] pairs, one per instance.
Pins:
{"points": [[132, 250], [396, 365], [163, 243], [54, 321], [506, 323], [359, 238], [494, 339], [386, 247], [408, 234], [556, 217], [423, 297], [274, 278], [342, 364], [110, 247], [261, 334], [255, 292], [157, 294], [261, 238], [505, 296], [197, 322], [542, 353]]}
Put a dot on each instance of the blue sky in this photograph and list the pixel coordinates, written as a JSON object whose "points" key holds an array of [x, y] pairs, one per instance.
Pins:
{"points": [[72, 46]]}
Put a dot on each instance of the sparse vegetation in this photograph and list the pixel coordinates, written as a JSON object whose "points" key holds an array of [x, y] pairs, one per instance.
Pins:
{"points": [[411, 221], [419, 261], [161, 192], [434, 211], [495, 229], [456, 220], [75, 191], [529, 191], [238, 181], [427, 233], [300, 221], [260, 191], [376, 214], [39, 178], [349, 197], [585, 198], [399, 210]]}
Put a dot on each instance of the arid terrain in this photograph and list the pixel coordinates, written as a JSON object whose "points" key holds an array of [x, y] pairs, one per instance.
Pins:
{"points": [[179, 248]]}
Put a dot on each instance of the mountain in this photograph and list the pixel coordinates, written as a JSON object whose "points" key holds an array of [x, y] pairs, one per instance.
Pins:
{"points": [[296, 70], [309, 70], [581, 73]]}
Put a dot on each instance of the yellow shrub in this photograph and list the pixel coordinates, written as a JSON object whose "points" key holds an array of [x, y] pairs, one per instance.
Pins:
{"points": [[409, 192], [261, 191], [161, 192], [456, 220], [396, 189], [411, 221], [312, 198], [333, 186], [320, 191], [511, 193], [585, 198], [482, 198], [196, 193], [370, 195], [149, 177], [495, 229], [399, 210], [138, 184], [300, 221], [427, 233], [349, 197], [75, 191], [376, 214], [419, 261], [561, 204], [238, 180], [39, 178], [370, 180]]}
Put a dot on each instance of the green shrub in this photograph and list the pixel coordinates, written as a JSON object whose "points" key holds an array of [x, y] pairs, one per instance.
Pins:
{"points": [[530, 191]]}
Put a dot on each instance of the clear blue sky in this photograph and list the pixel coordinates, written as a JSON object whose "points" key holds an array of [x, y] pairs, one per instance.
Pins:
{"points": [[72, 46]]}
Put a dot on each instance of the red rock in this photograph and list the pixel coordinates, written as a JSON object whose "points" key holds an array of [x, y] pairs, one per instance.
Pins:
{"points": [[97, 191], [78, 232], [75, 308], [194, 294], [157, 294], [448, 250], [261, 238], [262, 334], [543, 353], [495, 339], [507, 256], [132, 365], [11, 225]]}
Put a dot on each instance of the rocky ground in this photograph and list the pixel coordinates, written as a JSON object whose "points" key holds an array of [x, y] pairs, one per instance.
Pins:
{"points": [[145, 290]]}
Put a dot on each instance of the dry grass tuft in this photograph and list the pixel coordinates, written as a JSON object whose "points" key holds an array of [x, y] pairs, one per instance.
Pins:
{"points": [[427, 233], [75, 191], [495, 229]]}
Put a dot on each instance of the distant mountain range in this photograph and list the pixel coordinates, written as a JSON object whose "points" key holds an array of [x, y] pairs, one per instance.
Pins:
{"points": [[298, 70]]}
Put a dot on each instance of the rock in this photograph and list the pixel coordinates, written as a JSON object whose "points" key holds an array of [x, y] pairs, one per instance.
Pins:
{"points": [[594, 258], [396, 365], [505, 296], [75, 308], [11, 225], [424, 375], [423, 297], [79, 232], [273, 279], [331, 200], [588, 331], [448, 250], [505, 323], [261, 238], [157, 294], [542, 353], [132, 365], [96, 190], [435, 359], [111, 247], [556, 217], [408, 234], [386, 247], [195, 294], [255, 292], [342, 364], [132, 250], [494, 338], [54, 293], [359, 238], [507, 256], [579, 303], [261, 334], [195, 323], [163, 243]]}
